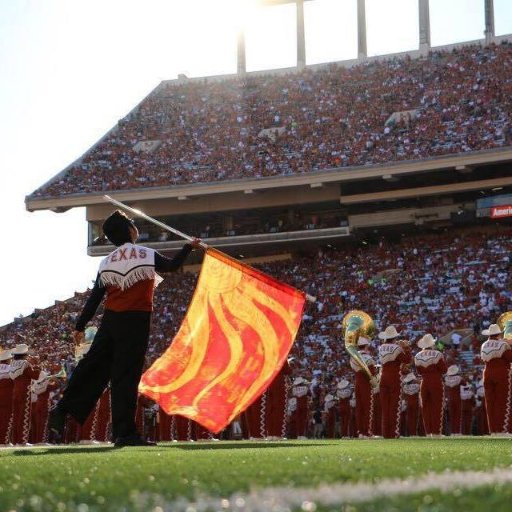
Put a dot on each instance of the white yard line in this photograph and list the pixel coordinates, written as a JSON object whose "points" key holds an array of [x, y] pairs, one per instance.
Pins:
{"points": [[284, 499]]}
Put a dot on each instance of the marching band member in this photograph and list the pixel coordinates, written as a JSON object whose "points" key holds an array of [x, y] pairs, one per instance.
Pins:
{"points": [[452, 382], [254, 417], [344, 393], [182, 427], [276, 400], [202, 434], [164, 425], [104, 416], [300, 403], [330, 416], [42, 389], [496, 353], [482, 427], [236, 430], [6, 389], [431, 366], [467, 397], [23, 372], [352, 424], [140, 416], [266, 417], [377, 413], [128, 277], [393, 353], [363, 388], [87, 431], [96, 427], [411, 394]]}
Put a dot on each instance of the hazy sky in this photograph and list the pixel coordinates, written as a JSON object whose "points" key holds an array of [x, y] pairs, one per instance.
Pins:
{"points": [[70, 69]]}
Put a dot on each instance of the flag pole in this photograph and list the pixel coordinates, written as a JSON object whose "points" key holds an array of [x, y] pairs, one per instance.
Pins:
{"points": [[140, 213]]}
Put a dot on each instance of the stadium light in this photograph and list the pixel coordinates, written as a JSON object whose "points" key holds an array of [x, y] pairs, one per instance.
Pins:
{"points": [[242, 10], [280, 2]]}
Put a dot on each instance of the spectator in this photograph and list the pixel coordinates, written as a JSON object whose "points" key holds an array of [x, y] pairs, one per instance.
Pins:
{"points": [[373, 113]]}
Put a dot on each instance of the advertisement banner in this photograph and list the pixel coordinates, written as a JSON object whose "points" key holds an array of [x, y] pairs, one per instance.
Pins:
{"points": [[497, 212]]}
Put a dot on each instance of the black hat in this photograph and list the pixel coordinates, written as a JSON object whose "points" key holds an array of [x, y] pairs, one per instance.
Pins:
{"points": [[117, 228]]}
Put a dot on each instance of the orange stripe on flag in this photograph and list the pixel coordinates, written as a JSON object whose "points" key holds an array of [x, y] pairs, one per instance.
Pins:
{"points": [[236, 335]]}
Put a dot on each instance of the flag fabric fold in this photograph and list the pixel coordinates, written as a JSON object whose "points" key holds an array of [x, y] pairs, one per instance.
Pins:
{"points": [[234, 339]]}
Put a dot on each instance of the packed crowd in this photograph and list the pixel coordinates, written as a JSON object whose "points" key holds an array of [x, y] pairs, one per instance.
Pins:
{"points": [[241, 225], [260, 126], [439, 283]]}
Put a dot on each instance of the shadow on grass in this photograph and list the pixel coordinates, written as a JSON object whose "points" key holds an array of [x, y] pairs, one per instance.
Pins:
{"points": [[64, 451], [174, 446], [231, 446]]}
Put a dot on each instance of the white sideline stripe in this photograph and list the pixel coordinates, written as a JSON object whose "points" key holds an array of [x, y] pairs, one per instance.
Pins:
{"points": [[283, 499]]}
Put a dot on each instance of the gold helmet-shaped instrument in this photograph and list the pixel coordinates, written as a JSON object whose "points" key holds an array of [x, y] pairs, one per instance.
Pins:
{"points": [[505, 323], [355, 324]]}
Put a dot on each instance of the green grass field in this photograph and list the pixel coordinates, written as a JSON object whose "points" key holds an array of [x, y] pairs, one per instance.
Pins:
{"points": [[174, 475]]}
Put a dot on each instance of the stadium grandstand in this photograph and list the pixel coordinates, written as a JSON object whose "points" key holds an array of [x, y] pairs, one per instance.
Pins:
{"points": [[454, 280], [382, 183], [258, 160]]}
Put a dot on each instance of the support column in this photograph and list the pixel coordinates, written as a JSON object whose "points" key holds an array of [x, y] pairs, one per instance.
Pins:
{"points": [[424, 14], [489, 21], [301, 38], [362, 51], [240, 63]]}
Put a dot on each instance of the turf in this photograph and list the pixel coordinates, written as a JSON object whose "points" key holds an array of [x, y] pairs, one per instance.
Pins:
{"points": [[103, 478], [483, 499]]}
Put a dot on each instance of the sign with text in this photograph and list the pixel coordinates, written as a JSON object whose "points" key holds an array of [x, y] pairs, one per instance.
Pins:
{"points": [[498, 212]]}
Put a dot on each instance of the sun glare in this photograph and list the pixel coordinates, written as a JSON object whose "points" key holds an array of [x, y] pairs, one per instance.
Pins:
{"points": [[238, 13]]}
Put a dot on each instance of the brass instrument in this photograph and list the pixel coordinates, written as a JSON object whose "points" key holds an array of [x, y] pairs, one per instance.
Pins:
{"points": [[505, 323], [355, 324]]}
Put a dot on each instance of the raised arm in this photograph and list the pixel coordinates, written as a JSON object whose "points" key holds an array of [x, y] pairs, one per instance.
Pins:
{"points": [[164, 264]]}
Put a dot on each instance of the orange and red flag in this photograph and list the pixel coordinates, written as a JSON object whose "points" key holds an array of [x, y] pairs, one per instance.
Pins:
{"points": [[238, 331]]}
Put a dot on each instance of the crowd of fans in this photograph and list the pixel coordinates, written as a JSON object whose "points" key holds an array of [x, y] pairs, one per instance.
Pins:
{"points": [[244, 223], [259, 126], [438, 283]]}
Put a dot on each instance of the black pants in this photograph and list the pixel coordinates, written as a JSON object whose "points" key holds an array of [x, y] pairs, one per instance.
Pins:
{"points": [[116, 356]]}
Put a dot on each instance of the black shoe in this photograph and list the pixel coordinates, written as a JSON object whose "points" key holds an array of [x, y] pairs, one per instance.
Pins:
{"points": [[56, 424], [133, 440]]}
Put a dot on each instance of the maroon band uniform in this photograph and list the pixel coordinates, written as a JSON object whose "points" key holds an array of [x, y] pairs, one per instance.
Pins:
{"points": [[392, 356], [431, 365]]}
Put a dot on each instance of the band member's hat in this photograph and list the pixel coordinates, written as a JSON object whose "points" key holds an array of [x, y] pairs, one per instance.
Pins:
{"points": [[329, 397], [427, 341], [299, 380], [452, 370], [362, 341], [5, 355], [20, 349], [493, 329], [117, 228], [409, 378], [389, 333], [344, 383]]}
